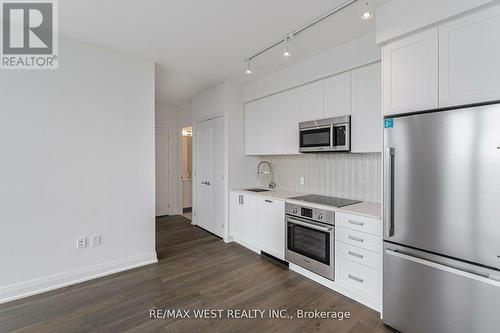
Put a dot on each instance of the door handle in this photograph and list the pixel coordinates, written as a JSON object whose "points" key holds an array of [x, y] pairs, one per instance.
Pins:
{"points": [[389, 191], [354, 254], [355, 278], [357, 239], [356, 223], [206, 182]]}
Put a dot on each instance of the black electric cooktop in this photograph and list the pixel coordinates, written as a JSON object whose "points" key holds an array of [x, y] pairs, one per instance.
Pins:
{"points": [[327, 201]]}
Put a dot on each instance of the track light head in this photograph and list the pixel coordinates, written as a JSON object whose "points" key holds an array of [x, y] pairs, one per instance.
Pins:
{"points": [[367, 12], [286, 52], [248, 70]]}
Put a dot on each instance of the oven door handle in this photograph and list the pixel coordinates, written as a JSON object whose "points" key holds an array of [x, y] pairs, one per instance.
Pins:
{"points": [[310, 225]]}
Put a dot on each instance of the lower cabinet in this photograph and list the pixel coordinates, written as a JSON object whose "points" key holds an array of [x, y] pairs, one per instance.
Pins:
{"points": [[271, 226], [358, 260], [243, 219], [258, 223]]}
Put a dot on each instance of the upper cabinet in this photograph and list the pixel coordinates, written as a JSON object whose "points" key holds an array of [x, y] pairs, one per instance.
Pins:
{"points": [[338, 95], [366, 109], [469, 55], [453, 64], [264, 126], [272, 122], [410, 73], [292, 99], [312, 106]]}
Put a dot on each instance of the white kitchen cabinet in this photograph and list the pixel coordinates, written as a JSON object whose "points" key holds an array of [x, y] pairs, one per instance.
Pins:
{"points": [[337, 90], [273, 121], [255, 135], [243, 219], [366, 109], [312, 104], [292, 100], [410, 73], [264, 126], [271, 226], [469, 57]]}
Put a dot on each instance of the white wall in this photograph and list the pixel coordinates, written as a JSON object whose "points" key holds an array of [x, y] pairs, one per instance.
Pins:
{"points": [[400, 17], [356, 53], [77, 158]]}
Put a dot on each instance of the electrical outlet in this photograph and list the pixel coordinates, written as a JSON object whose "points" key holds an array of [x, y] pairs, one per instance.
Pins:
{"points": [[302, 180], [96, 240], [82, 243]]}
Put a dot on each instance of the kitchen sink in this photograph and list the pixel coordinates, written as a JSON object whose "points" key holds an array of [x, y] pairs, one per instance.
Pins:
{"points": [[257, 190]]}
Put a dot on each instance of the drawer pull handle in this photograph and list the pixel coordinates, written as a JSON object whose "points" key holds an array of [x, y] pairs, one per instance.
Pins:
{"points": [[355, 278], [356, 223], [268, 201], [357, 239], [354, 254]]}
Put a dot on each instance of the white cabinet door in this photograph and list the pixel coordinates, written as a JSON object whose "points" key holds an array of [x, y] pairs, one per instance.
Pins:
{"points": [[338, 95], [312, 106], [410, 73], [469, 59], [292, 100], [273, 124], [366, 112], [271, 222], [265, 126], [258, 138], [243, 219]]}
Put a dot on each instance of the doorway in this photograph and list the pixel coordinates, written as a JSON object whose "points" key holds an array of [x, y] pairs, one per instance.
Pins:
{"points": [[209, 176], [186, 171], [162, 170]]}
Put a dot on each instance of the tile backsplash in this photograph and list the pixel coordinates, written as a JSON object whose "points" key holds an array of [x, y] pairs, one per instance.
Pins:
{"points": [[352, 176]]}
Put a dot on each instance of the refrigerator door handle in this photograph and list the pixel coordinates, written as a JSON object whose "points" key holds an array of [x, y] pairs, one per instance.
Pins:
{"points": [[389, 191], [447, 268]]}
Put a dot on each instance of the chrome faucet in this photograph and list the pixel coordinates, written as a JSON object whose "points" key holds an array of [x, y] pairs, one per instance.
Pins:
{"points": [[271, 185]]}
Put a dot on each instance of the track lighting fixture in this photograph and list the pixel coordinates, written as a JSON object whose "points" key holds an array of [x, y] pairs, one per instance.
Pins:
{"points": [[249, 70], [367, 12], [286, 53]]}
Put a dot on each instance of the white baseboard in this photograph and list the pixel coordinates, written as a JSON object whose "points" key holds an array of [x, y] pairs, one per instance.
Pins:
{"points": [[51, 282]]}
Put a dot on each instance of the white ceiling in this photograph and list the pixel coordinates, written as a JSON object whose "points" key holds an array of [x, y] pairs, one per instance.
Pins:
{"points": [[199, 43]]}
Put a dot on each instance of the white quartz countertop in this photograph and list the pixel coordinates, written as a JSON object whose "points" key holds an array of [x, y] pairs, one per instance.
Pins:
{"points": [[364, 208]]}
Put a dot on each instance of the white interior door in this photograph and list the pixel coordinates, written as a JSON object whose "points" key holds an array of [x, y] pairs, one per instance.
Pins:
{"points": [[162, 145], [210, 179]]}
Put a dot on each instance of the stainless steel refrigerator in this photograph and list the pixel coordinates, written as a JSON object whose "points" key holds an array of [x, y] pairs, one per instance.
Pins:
{"points": [[442, 221]]}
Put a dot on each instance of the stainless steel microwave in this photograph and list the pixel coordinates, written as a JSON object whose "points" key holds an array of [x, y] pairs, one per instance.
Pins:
{"points": [[325, 135]]}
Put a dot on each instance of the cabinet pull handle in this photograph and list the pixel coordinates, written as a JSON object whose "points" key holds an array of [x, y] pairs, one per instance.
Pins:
{"points": [[240, 199], [354, 254], [355, 278], [268, 201], [357, 239], [356, 223]]}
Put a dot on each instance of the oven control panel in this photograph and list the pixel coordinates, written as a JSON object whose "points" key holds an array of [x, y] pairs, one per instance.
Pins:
{"points": [[314, 214]]}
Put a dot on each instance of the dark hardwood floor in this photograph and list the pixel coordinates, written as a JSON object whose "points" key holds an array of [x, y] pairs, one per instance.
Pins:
{"points": [[196, 270]]}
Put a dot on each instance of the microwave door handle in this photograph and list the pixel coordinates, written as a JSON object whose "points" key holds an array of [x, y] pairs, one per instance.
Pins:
{"points": [[332, 136]]}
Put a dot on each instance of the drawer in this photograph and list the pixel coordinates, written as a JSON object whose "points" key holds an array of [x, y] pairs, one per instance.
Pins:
{"points": [[359, 279], [359, 239], [359, 255], [359, 223]]}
